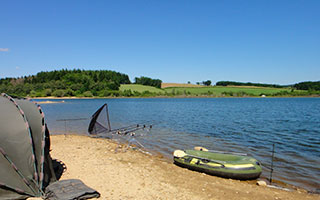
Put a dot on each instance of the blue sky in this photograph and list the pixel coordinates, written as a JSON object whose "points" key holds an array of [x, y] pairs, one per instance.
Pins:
{"points": [[176, 41]]}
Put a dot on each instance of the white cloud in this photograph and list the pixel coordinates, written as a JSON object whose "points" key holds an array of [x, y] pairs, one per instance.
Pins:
{"points": [[4, 49]]}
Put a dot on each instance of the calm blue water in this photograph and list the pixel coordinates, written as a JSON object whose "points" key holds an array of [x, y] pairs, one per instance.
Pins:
{"points": [[249, 125]]}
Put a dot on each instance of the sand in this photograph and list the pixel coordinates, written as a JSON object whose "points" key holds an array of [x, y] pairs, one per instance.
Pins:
{"points": [[135, 175]]}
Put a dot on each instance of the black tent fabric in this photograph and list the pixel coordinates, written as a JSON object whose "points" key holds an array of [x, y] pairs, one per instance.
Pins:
{"points": [[70, 189], [25, 162]]}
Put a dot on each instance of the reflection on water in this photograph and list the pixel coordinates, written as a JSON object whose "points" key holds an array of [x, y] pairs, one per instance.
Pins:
{"points": [[248, 125]]}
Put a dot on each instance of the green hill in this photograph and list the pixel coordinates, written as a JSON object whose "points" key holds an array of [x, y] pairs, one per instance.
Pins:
{"points": [[141, 88], [214, 91], [228, 91], [66, 83]]}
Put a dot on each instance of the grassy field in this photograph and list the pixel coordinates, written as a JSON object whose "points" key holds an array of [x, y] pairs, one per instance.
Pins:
{"points": [[166, 85], [220, 91], [140, 88], [217, 91]]}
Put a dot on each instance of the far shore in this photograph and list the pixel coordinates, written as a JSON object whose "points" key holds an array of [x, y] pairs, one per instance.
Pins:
{"points": [[170, 97], [135, 175]]}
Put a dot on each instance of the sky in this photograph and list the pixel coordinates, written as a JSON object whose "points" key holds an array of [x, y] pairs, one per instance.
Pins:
{"points": [[264, 41]]}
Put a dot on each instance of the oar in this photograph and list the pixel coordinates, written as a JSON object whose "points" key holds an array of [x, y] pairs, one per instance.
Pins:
{"points": [[181, 154], [224, 152]]}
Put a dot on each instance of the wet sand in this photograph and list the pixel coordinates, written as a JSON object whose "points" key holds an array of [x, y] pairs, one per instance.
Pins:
{"points": [[135, 175]]}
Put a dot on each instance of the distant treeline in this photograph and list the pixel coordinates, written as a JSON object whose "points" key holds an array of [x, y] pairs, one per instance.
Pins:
{"points": [[103, 83], [308, 85], [229, 83], [148, 81], [66, 83]]}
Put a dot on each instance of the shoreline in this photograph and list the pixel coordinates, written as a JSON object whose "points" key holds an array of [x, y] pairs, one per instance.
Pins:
{"points": [[169, 97], [169, 159], [94, 161]]}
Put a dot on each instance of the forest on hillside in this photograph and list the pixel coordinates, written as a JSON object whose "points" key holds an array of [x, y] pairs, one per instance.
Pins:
{"points": [[78, 83], [306, 85], [148, 81], [233, 83], [66, 83]]}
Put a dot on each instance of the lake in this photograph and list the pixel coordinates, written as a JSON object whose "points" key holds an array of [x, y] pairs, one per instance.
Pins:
{"points": [[249, 125]]}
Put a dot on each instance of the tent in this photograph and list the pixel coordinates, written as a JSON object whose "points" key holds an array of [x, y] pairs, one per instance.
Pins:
{"points": [[25, 162]]}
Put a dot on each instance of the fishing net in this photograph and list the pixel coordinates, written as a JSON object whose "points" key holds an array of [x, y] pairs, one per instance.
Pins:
{"points": [[100, 122], [100, 127]]}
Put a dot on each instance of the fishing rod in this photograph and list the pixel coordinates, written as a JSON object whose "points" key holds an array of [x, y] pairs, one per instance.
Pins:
{"points": [[125, 128], [136, 129], [129, 129], [68, 120], [75, 119], [272, 158]]}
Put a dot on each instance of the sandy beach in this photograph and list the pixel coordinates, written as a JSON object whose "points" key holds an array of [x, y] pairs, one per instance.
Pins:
{"points": [[135, 175]]}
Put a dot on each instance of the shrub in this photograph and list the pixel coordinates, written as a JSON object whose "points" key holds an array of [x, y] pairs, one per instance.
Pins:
{"points": [[87, 94], [33, 93], [70, 92], [136, 93], [227, 94], [58, 93], [104, 93], [127, 93], [47, 92]]}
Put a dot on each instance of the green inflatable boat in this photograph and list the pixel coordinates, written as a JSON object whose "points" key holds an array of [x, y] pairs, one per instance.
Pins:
{"points": [[219, 164]]}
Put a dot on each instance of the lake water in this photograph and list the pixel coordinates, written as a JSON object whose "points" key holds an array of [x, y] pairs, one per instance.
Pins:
{"points": [[250, 125]]}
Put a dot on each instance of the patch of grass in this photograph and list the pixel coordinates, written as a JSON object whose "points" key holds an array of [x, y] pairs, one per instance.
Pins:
{"points": [[226, 91], [215, 91], [140, 88], [168, 85]]}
